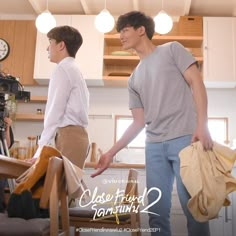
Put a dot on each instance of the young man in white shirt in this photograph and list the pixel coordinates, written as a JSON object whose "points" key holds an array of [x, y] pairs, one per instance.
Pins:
{"points": [[66, 114]]}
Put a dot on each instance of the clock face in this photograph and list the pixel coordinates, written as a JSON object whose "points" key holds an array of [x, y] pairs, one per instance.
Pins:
{"points": [[4, 49]]}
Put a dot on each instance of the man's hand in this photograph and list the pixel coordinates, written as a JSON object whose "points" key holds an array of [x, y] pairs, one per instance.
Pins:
{"points": [[8, 121], [32, 160], [202, 134], [103, 163]]}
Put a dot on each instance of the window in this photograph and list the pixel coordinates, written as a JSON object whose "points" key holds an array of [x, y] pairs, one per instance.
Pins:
{"points": [[121, 124], [218, 128]]}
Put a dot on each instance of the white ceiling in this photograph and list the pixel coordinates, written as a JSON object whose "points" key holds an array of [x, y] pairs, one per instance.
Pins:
{"points": [[151, 7]]}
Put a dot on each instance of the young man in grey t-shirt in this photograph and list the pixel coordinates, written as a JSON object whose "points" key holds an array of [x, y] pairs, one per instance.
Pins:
{"points": [[168, 97]]}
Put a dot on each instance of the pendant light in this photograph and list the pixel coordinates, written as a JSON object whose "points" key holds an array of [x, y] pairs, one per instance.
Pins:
{"points": [[163, 22], [45, 21], [104, 21]]}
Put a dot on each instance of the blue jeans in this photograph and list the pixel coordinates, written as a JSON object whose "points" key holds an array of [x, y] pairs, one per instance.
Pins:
{"points": [[162, 165]]}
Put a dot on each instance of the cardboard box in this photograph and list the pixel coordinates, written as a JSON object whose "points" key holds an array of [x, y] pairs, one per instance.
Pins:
{"points": [[190, 26]]}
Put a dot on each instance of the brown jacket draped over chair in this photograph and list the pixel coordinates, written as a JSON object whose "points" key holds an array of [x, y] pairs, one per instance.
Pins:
{"points": [[61, 179], [24, 201]]}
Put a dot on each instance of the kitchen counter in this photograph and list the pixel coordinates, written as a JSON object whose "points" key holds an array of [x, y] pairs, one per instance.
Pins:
{"points": [[117, 165]]}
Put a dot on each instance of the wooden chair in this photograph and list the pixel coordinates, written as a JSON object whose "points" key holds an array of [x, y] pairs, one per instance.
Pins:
{"points": [[54, 195], [80, 217]]}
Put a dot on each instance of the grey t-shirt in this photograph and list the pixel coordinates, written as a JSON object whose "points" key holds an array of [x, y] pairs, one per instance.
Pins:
{"points": [[157, 85]]}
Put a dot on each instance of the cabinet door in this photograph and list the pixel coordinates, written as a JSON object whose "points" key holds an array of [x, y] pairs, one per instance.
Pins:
{"points": [[21, 35], [90, 55], [43, 67], [223, 225], [218, 46]]}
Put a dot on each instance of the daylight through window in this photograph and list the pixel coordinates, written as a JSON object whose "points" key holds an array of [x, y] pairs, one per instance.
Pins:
{"points": [[218, 128]]}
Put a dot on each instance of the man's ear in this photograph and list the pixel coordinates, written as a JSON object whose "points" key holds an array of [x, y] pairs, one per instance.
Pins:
{"points": [[62, 45], [142, 30]]}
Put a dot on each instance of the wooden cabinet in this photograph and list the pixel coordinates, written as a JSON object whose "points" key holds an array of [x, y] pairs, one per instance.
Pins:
{"points": [[97, 63], [219, 51], [21, 35], [89, 55], [117, 67]]}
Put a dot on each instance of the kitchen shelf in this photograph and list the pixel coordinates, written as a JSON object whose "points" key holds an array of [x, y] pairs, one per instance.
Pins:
{"points": [[121, 60], [131, 60], [125, 64], [122, 81], [40, 117], [115, 81], [29, 117], [187, 41], [37, 99]]}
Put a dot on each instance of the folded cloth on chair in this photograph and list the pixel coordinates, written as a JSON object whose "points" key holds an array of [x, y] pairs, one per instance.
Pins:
{"points": [[207, 177], [24, 201], [73, 175]]}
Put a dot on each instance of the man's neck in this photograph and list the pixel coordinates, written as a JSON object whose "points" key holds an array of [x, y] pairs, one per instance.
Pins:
{"points": [[145, 48]]}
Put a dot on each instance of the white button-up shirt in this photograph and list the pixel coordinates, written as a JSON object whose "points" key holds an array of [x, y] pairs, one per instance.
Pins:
{"points": [[68, 101]]}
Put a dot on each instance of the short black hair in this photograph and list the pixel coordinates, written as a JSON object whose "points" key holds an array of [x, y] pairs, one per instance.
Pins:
{"points": [[69, 35], [136, 19]]}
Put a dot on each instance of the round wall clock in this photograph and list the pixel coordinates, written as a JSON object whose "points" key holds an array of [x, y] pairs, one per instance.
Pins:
{"points": [[4, 49]]}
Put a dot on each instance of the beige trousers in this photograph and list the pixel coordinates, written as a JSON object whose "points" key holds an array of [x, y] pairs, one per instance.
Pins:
{"points": [[73, 142]]}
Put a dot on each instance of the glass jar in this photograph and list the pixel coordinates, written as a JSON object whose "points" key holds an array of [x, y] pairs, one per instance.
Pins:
{"points": [[31, 146], [21, 153], [39, 111], [93, 157], [14, 149], [36, 143]]}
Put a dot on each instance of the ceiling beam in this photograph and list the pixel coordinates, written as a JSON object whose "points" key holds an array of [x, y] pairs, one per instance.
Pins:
{"points": [[85, 7], [187, 5], [135, 5], [36, 6]]}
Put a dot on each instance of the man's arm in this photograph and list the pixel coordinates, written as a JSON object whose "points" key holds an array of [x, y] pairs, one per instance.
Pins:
{"points": [[131, 132], [193, 78], [9, 133]]}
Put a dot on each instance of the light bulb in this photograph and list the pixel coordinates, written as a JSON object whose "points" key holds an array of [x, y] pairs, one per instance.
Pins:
{"points": [[104, 21], [163, 23], [45, 22]]}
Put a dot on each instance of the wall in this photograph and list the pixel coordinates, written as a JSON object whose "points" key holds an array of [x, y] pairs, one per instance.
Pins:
{"points": [[107, 101]]}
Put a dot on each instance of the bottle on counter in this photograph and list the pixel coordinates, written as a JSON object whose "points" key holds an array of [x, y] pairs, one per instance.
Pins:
{"points": [[22, 153], [39, 111], [36, 143], [14, 149], [93, 157], [31, 146]]}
